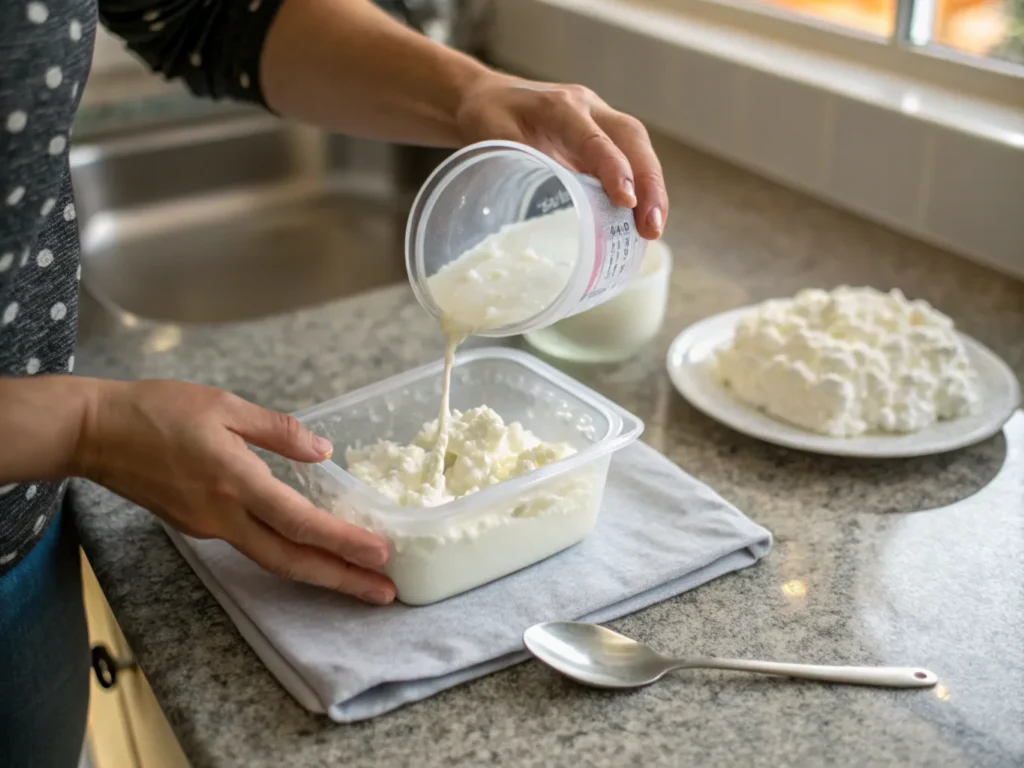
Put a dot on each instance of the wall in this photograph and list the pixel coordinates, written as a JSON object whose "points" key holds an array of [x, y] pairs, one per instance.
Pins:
{"points": [[935, 164]]}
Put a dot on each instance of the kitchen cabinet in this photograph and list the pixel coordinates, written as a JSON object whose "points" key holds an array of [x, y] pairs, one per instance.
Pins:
{"points": [[126, 728]]}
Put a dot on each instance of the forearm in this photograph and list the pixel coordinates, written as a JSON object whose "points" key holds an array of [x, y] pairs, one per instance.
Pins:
{"points": [[40, 423], [348, 66], [345, 65]]}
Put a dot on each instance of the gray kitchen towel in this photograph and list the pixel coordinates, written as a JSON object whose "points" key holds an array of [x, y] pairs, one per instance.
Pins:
{"points": [[660, 533]]}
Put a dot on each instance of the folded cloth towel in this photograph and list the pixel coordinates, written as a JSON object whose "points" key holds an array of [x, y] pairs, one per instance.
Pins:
{"points": [[659, 534]]}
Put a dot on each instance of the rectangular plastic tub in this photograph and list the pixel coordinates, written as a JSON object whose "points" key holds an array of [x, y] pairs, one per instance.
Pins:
{"points": [[438, 552]]}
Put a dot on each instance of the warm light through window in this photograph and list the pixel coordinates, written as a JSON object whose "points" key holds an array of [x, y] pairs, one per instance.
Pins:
{"points": [[992, 28], [876, 17], [982, 27]]}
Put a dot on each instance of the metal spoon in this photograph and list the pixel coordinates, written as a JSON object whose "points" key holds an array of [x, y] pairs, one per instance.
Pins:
{"points": [[599, 657]]}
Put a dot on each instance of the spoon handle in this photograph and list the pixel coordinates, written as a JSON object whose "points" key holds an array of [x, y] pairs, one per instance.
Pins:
{"points": [[885, 677]]}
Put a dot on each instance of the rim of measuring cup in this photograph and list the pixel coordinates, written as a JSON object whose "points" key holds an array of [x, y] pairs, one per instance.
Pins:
{"points": [[435, 184]]}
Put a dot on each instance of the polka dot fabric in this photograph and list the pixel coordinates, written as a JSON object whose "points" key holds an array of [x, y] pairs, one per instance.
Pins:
{"points": [[40, 61], [212, 45], [45, 52]]}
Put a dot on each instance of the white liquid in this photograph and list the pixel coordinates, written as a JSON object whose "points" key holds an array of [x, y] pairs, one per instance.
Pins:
{"points": [[620, 327], [434, 471], [506, 278], [510, 276]]}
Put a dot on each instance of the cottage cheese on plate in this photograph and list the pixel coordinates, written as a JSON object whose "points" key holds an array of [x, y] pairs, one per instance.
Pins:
{"points": [[850, 361]]}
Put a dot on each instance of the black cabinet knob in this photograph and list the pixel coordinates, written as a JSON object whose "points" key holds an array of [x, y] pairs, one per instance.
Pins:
{"points": [[105, 666]]}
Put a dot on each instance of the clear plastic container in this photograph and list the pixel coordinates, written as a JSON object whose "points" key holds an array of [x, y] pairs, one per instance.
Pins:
{"points": [[489, 185], [619, 328], [437, 552]]}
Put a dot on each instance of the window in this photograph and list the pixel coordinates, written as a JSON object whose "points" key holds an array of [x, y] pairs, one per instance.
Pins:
{"points": [[992, 29], [876, 17]]}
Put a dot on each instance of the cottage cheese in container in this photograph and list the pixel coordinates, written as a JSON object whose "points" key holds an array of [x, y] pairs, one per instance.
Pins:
{"points": [[510, 271], [504, 278], [850, 361], [481, 451], [523, 475]]}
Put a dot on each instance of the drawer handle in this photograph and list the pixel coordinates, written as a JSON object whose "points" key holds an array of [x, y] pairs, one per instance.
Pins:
{"points": [[106, 666]]}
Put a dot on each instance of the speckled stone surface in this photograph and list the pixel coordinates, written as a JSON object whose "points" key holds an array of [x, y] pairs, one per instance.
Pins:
{"points": [[903, 562]]}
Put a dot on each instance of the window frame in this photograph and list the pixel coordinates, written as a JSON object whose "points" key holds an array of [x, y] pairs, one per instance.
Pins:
{"points": [[932, 64]]}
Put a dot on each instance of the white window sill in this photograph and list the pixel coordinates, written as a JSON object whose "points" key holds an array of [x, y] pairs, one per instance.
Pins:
{"points": [[930, 161]]}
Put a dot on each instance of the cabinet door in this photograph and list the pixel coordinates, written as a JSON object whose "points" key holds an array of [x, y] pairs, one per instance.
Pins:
{"points": [[127, 729]]}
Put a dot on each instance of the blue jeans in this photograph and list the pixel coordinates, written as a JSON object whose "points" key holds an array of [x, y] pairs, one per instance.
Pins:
{"points": [[44, 654]]}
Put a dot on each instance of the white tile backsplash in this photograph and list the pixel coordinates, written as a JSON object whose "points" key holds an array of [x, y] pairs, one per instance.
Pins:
{"points": [[701, 97], [628, 83], [782, 129], [573, 43], [962, 190], [976, 198], [877, 161], [522, 38]]}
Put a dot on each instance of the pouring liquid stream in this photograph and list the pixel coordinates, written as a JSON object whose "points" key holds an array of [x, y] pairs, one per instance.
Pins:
{"points": [[454, 334], [508, 277]]}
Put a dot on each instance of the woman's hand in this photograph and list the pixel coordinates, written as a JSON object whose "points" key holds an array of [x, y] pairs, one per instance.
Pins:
{"points": [[573, 125], [352, 68], [180, 451]]}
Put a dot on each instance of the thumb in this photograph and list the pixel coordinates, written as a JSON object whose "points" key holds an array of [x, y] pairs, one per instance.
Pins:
{"points": [[278, 432]]}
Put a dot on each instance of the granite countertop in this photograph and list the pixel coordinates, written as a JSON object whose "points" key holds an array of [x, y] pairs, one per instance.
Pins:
{"points": [[902, 562]]}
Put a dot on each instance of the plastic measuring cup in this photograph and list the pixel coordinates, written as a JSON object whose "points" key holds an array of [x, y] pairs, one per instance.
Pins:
{"points": [[492, 184]]}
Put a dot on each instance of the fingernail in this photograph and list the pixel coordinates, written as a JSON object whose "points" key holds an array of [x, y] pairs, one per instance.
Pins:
{"points": [[655, 220], [627, 185], [322, 446], [377, 597]]}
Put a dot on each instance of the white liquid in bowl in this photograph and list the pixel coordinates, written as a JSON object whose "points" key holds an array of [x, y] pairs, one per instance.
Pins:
{"points": [[622, 326]]}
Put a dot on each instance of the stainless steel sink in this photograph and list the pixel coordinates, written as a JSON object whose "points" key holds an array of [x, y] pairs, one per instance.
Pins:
{"points": [[239, 215]]}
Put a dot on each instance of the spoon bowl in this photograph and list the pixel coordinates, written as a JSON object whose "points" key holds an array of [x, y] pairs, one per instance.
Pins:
{"points": [[595, 655], [601, 658]]}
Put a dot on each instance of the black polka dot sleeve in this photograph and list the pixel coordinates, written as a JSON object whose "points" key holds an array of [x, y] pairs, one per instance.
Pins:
{"points": [[213, 46], [45, 50]]}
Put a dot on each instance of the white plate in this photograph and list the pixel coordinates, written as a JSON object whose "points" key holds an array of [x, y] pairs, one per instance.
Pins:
{"points": [[689, 360]]}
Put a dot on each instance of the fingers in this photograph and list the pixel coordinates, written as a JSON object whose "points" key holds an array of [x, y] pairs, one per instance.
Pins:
{"points": [[573, 125], [312, 566], [614, 147], [652, 198], [292, 516], [598, 155], [277, 432], [286, 534], [593, 150]]}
